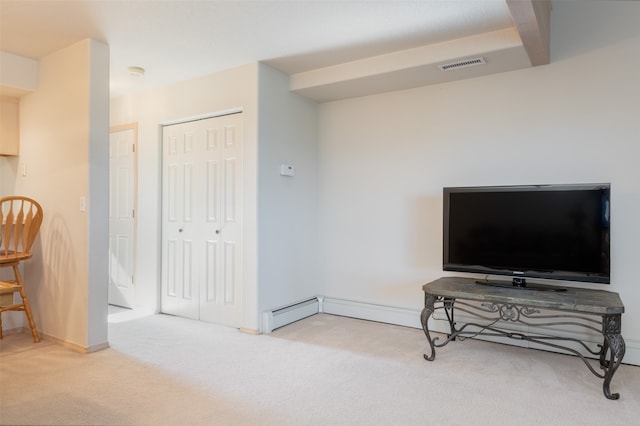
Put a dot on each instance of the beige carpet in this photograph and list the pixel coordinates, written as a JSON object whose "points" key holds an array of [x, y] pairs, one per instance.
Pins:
{"points": [[324, 370]]}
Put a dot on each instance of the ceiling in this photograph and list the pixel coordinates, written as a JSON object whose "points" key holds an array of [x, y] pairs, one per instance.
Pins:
{"points": [[331, 49]]}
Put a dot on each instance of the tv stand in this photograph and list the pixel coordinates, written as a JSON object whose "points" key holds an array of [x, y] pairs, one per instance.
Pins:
{"points": [[496, 311], [522, 284]]}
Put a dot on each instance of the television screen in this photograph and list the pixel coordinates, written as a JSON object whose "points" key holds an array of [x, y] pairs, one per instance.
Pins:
{"points": [[541, 231]]}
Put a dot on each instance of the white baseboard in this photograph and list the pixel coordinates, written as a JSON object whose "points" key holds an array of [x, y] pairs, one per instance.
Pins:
{"points": [[438, 323], [632, 355], [411, 318], [371, 312]]}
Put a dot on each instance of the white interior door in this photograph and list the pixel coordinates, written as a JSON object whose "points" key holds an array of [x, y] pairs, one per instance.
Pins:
{"points": [[122, 142], [202, 219]]}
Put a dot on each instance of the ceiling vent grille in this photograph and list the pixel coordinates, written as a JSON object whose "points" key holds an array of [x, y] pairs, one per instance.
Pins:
{"points": [[464, 63]]}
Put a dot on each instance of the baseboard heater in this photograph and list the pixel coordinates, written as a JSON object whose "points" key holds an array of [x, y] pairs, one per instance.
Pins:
{"points": [[282, 316]]}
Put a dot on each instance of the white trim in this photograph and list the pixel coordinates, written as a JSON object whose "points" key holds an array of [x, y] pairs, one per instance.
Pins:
{"points": [[632, 354], [380, 313], [237, 110], [437, 323]]}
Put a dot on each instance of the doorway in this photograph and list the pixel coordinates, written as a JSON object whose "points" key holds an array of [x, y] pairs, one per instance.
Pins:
{"points": [[202, 219], [122, 195]]}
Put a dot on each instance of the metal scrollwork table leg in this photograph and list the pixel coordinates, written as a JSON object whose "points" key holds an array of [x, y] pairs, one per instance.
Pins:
{"points": [[429, 302], [614, 347]]}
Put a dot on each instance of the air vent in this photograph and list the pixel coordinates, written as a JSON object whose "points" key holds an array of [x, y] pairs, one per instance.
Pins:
{"points": [[464, 63]]}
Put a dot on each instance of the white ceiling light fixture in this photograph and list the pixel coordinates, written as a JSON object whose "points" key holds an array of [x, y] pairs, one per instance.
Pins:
{"points": [[136, 71]]}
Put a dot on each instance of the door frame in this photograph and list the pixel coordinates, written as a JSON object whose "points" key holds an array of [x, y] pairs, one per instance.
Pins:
{"points": [[119, 128]]}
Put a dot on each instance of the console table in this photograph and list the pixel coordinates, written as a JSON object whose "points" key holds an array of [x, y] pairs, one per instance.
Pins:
{"points": [[493, 306]]}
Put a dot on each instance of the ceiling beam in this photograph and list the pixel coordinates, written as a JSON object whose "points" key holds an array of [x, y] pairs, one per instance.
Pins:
{"points": [[416, 67], [532, 18]]}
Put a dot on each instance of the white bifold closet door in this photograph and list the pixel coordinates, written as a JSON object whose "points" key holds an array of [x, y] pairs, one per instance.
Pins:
{"points": [[202, 219]]}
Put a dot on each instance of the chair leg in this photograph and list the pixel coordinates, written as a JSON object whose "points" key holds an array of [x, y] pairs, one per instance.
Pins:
{"points": [[27, 307]]}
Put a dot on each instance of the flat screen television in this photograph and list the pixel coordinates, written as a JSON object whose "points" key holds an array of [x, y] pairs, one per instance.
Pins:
{"points": [[557, 232]]}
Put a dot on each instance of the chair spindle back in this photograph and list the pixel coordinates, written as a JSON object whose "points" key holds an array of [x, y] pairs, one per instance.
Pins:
{"points": [[20, 220]]}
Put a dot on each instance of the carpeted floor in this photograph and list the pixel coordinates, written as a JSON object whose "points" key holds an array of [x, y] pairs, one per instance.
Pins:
{"points": [[324, 370]]}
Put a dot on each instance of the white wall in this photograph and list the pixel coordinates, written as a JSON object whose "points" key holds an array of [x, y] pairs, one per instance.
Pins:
{"points": [[384, 159], [287, 222], [235, 88], [63, 135], [279, 225], [98, 200], [18, 74]]}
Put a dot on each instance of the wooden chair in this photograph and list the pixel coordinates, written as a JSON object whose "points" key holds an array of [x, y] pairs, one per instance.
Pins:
{"points": [[20, 220]]}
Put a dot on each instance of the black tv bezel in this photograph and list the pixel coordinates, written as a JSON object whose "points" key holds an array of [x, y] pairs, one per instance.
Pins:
{"points": [[517, 275]]}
